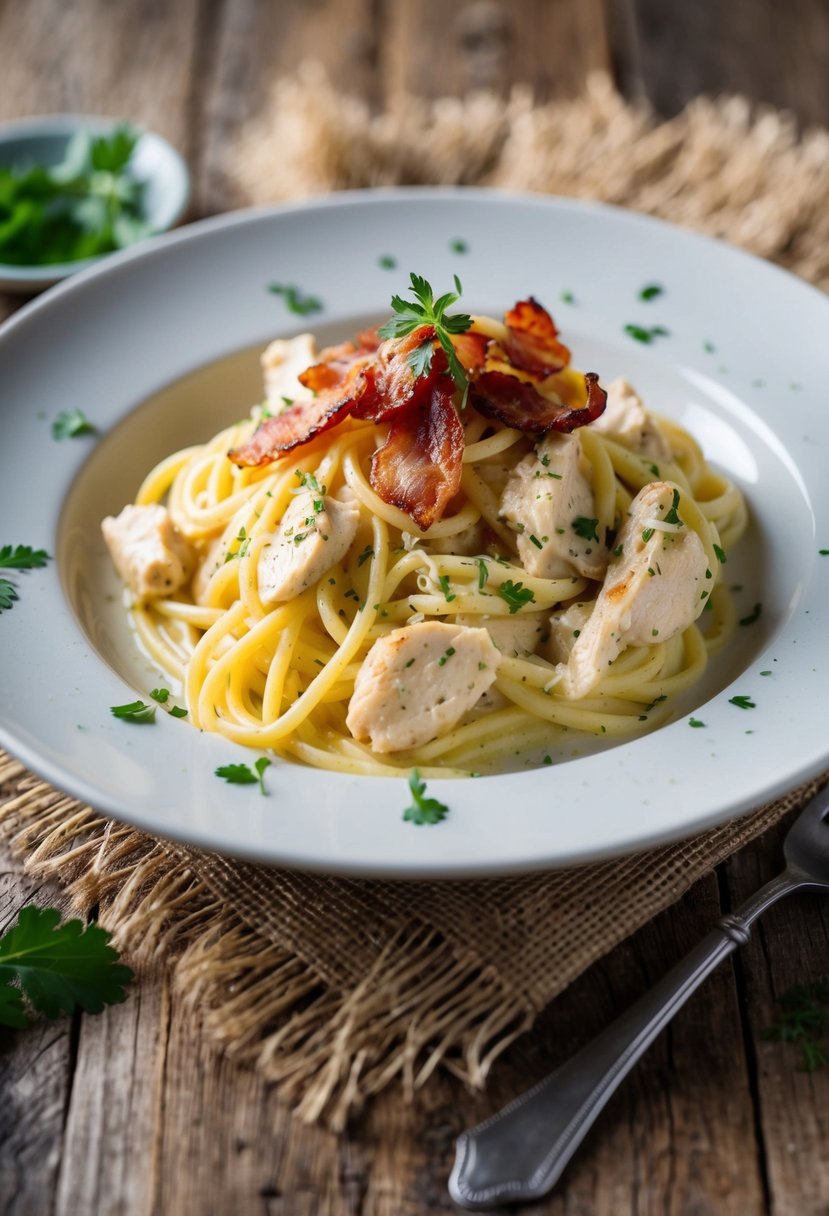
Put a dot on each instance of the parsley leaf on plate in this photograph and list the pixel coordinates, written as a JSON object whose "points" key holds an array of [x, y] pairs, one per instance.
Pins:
{"points": [[134, 711], [71, 423], [242, 774], [58, 967], [296, 300], [423, 810], [19, 557]]}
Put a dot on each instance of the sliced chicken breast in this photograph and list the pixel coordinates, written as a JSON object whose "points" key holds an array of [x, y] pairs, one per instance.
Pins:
{"points": [[626, 419], [416, 684], [149, 552], [548, 500], [281, 364], [654, 589], [316, 532]]}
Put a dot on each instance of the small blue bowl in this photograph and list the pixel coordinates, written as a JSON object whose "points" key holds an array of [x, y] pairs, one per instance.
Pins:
{"points": [[44, 141]]}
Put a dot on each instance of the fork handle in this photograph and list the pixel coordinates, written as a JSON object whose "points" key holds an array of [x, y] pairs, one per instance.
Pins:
{"points": [[520, 1152]]}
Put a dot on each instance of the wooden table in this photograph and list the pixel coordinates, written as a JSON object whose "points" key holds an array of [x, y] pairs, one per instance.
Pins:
{"points": [[128, 1112]]}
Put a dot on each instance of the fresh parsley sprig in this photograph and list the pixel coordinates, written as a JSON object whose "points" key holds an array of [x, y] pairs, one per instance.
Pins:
{"points": [[57, 967], [19, 557], [515, 595], [242, 774], [426, 310], [423, 810]]}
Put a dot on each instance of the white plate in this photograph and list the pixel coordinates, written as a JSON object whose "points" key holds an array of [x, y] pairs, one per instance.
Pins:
{"points": [[116, 336]]}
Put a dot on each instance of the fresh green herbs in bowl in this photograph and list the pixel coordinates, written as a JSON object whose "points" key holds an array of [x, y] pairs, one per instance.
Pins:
{"points": [[73, 189]]}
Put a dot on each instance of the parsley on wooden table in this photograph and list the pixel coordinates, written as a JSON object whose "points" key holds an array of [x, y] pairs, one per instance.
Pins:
{"points": [[242, 774], [18, 557], [804, 1020], [426, 310], [423, 810], [58, 968], [88, 205]]}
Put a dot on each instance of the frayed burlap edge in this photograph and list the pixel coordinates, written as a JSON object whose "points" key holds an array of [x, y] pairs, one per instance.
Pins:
{"points": [[420, 1003], [723, 166]]}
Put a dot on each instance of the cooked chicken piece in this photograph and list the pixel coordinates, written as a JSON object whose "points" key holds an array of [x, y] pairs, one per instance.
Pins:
{"points": [[516, 636], [655, 589], [564, 628], [549, 501], [149, 552], [308, 542], [417, 683], [281, 363], [626, 419]]}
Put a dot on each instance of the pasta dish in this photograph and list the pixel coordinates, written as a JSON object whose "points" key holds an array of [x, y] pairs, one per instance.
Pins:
{"points": [[437, 545]]}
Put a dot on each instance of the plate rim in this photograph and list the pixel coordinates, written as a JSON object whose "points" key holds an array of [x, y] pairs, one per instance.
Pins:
{"points": [[203, 229]]}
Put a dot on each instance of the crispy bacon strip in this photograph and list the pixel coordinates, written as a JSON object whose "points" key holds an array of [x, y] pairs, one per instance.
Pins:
{"points": [[392, 382], [470, 349], [419, 467], [304, 419], [519, 404], [533, 343]]}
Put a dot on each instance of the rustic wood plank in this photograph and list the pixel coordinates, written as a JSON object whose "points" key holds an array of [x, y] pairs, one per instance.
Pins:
{"points": [[254, 45], [133, 59], [679, 1136], [36, 1067], [433, 49], [769, 51], [113, 1125], [790, 946]]}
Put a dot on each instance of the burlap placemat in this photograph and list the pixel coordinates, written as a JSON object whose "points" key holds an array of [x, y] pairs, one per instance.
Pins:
{"points": [[336, 987]]}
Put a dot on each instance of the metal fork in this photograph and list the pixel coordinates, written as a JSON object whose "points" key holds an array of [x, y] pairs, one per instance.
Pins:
{"points": [[521, 1151]]}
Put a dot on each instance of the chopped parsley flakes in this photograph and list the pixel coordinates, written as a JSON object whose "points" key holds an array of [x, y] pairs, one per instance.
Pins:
{"points": [[134, 711], [295, 300], [242, 774], [515, 595], [70, 424]]}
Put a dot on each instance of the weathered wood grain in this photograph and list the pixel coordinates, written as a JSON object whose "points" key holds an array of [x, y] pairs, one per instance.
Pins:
{"points": [[132, 59], [769, 51], [789, 947], [36, 1071], [253, 45], [433, 49]]}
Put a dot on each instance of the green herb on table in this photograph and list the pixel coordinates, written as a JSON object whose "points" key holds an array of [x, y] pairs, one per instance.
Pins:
{"points": [[295, 300], [242, 774], [423, 810], [19, 557], [57, 968], [70, 424], [804, 1020], [516, 595], [426, 310], [88, 205], [646, 334], [134, 711]]}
